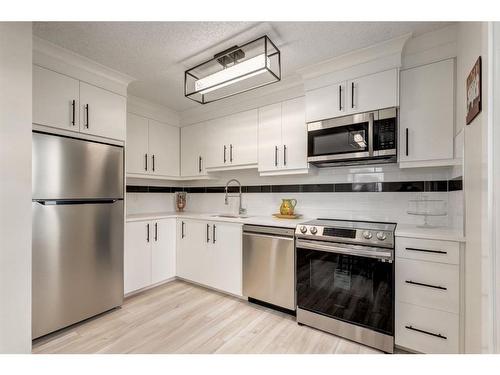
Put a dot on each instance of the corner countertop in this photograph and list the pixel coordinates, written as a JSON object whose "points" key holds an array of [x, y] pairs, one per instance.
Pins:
{"points": [[251, 219], [438, 233]]}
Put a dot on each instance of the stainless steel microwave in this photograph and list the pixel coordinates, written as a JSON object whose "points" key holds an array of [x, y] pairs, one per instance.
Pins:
{"points": [[364, 138]]}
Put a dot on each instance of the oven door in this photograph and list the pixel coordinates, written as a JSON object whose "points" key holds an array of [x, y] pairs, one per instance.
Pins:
{"points": [[345, 138], [354, 284]]}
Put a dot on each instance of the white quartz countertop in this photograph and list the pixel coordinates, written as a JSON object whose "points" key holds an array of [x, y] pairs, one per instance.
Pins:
{"points": [[251, 219], [438, 233]]}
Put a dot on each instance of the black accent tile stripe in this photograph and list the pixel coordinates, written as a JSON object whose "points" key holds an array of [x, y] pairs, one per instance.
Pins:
{"points": [[455, 184], [356, 187]]}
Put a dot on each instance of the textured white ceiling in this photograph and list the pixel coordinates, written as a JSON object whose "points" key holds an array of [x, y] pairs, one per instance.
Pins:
{"points": [[157, 53]]}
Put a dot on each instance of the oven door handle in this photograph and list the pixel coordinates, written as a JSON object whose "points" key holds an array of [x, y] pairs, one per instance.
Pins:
{"points": [[377, 254]]}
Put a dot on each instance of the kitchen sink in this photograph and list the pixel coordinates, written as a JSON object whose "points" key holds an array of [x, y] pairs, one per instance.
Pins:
{"points": [[230, 216]]}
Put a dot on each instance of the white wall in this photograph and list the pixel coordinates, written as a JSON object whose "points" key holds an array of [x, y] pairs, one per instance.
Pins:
{"points": [[15, 187], [472, 43]]}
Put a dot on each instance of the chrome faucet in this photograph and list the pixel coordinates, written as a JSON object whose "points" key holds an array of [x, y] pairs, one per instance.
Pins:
{"points": [[241, 210]]}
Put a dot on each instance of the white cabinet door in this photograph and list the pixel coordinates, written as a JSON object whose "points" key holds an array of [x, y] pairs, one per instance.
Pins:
{"points": [[217, 152], [102, 112], [427, 112], [294, 135], [269, 137], [226, 258], [55, 99], [192, 252], [137, 259], [193, 150], [326, 102], [374, 91], [243, 129], [164, 150], [163, 239], [137, 144]]}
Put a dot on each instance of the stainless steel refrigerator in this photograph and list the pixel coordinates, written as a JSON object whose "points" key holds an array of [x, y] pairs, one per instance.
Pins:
{"points": [[78, 224]]}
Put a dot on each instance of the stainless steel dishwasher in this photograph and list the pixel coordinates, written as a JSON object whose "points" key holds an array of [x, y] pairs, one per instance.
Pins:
{"points": [[269, 265]]}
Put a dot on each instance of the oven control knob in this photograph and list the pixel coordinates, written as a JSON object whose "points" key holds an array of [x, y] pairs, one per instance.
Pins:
{"points": [[367, 234], [314, 230], [381, 236], [303, 229]]}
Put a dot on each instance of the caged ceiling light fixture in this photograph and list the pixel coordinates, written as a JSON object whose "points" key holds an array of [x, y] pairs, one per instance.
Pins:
{"points": [[234, 71]]}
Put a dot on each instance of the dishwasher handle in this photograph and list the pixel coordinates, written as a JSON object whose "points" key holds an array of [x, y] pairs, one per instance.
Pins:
{"points": [[272, 236]]}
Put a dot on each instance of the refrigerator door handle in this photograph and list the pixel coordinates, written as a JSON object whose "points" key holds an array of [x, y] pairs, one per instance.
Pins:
{"points": [[53, 202]]}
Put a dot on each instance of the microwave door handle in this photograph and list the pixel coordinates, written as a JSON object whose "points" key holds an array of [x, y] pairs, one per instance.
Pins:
{"points": [[370, 133]]}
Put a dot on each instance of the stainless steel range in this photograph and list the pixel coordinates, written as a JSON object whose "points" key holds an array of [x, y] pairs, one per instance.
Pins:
{"points": [[345, 279]]}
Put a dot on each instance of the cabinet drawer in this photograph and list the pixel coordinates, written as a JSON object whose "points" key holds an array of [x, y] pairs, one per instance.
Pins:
{"points": [[426, 330], [428, 284], [429, 250]]}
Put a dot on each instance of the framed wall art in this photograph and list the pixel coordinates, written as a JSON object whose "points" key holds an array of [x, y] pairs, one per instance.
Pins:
{"points": [[473, 90]]}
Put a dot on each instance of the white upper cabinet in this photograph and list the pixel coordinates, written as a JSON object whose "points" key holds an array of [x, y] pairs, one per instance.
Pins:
{"points": [[373, 91], [242, 130], [270, 137], [152, 147], [102, 112], [282, 137], [55, 99], [356, 95], [217, 143], [193, 150], [294, 134], [164, 151], [137, 144], [232, 141], [427, 115], [326, 102]]}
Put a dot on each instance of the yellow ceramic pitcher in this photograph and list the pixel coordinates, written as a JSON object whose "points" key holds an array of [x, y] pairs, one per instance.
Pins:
{"points": [[287, 206]]}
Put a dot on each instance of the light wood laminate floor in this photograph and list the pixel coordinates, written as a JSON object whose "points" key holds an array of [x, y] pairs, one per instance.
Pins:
{"points": [[179, 317]]}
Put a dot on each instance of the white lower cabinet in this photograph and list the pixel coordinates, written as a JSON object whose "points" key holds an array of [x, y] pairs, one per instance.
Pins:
{"points": [[428, 295], [426, 330], [209, 253], [149, 253]]}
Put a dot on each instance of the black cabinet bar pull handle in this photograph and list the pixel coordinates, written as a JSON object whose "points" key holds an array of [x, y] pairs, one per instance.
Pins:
{"points": [[182, 229], [427, 333], [87, 111], [147, 229], [145, 162], [352, 94], [225, 148], [406, 141], [231, 153], [284, 154], [156, 232], [213, 233], [427, 251], [426, 285], [275, 156], [208, 231], [199, 164], [153, 159], [73, 104], [340, 97]]}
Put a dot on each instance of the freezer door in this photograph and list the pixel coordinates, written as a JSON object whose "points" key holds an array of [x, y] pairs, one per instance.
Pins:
{"points": [[68, 168], [77, 262]]}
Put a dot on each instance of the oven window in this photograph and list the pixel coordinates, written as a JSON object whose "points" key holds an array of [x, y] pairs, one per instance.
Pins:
{"points": [[339, 140], [353, 289]]}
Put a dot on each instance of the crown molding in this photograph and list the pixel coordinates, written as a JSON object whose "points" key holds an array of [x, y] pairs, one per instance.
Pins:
{"points": [[379, 51], [59, 59]]}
